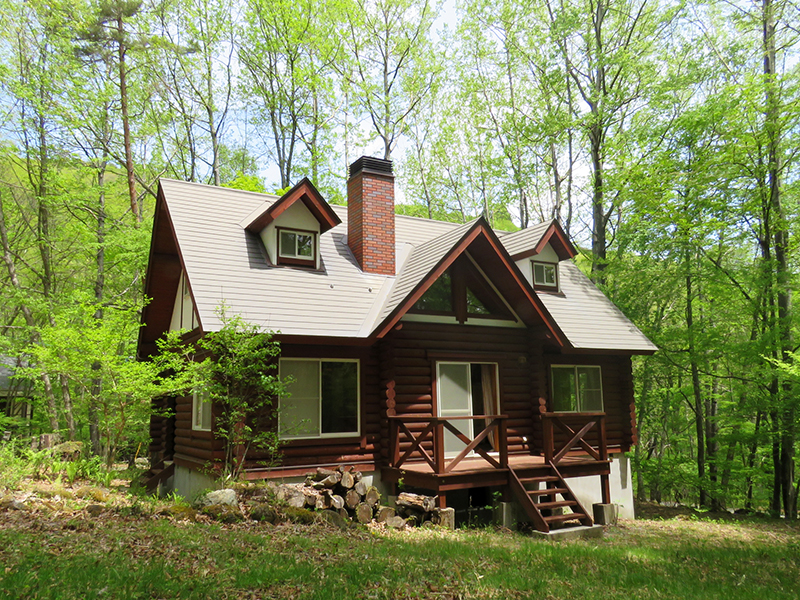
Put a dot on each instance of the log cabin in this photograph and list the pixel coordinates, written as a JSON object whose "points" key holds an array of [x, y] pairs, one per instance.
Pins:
{"points": [[440, 356]]}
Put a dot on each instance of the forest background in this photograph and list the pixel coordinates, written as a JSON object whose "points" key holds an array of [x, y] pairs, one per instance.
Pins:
{"points": [[662, 134]]}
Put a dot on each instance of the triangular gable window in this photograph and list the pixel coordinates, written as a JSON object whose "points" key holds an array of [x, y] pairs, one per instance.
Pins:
{"points": [[462, 291]]}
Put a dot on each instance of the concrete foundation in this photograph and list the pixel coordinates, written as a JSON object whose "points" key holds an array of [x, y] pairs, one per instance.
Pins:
{"points": [[588, 492]]}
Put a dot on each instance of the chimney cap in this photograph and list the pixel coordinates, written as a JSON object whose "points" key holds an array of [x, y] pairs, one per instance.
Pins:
{"points": [[370, 164]]}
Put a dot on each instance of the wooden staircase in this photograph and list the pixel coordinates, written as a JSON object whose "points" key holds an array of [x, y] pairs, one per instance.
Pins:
{"points": [[538, 494]]}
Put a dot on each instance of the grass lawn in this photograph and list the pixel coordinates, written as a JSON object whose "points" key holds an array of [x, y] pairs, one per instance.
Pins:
{"points": [[57, 550]]}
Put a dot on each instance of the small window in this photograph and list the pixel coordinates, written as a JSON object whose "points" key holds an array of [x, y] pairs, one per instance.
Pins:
{"points": [[323, 400], [201, 412], [545, 275], [577, 389], [297, 246]]}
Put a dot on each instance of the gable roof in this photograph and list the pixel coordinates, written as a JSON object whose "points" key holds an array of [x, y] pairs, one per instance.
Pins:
{"points": [[224, 261], [304, 192], [429, 260], [532, 240]]}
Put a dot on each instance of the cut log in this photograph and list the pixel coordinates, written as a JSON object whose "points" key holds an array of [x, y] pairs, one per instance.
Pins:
{"points": [[337, 501], [323, 473], [416, 502], [347, 481], [358, 475], [331, 480], [311, 496], [360, 487], [323, 501], [363, 513], [384, 513], [352, 499], [373, 496]]}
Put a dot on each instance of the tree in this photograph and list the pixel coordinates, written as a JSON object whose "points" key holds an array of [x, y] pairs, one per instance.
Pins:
{"points": [[238, 375]]}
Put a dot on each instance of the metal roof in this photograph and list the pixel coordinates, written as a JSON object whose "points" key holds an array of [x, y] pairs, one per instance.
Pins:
{"points": [[226, 264]]}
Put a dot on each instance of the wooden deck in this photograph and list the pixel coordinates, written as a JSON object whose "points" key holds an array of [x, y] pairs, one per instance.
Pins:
{"points": [[475, 472]]}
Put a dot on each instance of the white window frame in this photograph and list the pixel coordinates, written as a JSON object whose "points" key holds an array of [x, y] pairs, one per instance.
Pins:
{"points": [[577, 389], [321, 435], [201, 410], [283, 254], [545, 265]]}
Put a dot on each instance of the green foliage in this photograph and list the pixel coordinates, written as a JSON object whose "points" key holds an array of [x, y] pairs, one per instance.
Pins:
{"points": [[238, 374]]}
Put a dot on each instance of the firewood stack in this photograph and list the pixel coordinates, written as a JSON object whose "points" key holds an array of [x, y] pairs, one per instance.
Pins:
{"points": [[341, 490]]}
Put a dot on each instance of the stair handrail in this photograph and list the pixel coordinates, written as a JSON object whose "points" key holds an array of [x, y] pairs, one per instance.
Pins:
{"points": [[577, 438]]}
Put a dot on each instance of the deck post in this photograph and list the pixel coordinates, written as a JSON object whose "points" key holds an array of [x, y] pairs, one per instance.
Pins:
{"points": [[394, 440], [503, 442], [438, 446], [604, 484], [441, 500], [547, 438]]}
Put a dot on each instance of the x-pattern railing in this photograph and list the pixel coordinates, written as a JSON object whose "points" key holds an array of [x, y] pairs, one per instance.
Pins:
{"points": [[576, 440], [434, 432]]}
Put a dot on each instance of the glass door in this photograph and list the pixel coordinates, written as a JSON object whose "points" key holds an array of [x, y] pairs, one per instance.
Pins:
{"points": [[454, 394]]}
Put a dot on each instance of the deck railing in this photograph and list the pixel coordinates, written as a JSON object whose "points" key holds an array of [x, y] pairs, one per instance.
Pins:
{"points": [[433, 431], [576, 426]]}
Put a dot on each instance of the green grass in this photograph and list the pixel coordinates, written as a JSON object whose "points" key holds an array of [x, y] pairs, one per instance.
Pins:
{"points": [[51, 555]]}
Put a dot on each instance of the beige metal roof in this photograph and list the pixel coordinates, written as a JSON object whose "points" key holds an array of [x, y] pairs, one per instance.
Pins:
{"points": [[422, 260], [589, 319], [226, 264], [524, 239]]}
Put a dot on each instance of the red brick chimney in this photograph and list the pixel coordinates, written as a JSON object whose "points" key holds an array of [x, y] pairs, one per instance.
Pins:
{"points": [[370, 214]]}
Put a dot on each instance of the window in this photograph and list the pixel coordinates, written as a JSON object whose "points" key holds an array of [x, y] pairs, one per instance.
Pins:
{"points": [[296, 247], [323, 401], [201, 412], [577, 389], [462, 291], [545, 276]]}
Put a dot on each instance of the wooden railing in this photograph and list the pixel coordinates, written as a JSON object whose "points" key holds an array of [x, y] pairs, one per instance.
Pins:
{"points": [[434, 431], [576, 426]]}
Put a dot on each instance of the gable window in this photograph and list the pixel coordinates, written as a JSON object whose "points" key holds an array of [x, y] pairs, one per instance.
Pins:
{"points": [[464, 292], [296, 247], [577, 388], [323, 400], [545, 276], [201, 412]]}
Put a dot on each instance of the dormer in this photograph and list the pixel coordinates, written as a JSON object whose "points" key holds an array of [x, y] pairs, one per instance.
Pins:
{"points": [[290, 227], [538, 251]]}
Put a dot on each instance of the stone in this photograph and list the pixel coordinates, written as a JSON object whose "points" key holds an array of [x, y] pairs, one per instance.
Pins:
{"points": [[605, 514], [69, 451], [264, 513], [505, 515], [95, 510], [224, 513], [445, 517], [225, 497], [13, 504], [396, 522], [334, 518]]}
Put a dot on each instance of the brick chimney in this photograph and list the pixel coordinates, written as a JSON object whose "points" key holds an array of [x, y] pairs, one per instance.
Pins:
{"points": [[370, 214]]}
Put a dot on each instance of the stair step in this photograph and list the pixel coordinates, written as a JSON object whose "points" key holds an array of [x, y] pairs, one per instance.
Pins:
{"points": [[547, 492], [558, 504], [563, 518], [540, 479]]}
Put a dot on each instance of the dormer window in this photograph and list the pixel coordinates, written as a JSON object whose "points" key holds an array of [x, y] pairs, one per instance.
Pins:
{"points": [[297, 247], [545, 276]]}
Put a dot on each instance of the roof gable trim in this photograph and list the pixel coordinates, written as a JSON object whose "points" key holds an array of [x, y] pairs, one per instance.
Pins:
{"points": [[558, 240], [480, 229], [306, 193]]}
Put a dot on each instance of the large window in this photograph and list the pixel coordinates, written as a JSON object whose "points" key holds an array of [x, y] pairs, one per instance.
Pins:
{"points": [[323, 400], [577, 389], [201, 412], [296, 246]]}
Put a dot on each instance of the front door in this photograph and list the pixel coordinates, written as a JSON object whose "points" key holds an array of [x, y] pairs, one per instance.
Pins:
{"points": [[464, 390]]}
